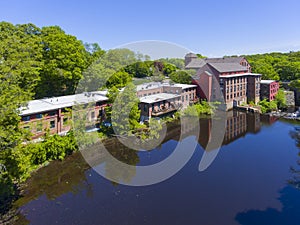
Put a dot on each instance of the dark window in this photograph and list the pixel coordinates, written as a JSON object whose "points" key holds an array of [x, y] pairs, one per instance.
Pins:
{"points": [[52, 124], [52, 113], [39, 116], [25, 118], [182, 98]]}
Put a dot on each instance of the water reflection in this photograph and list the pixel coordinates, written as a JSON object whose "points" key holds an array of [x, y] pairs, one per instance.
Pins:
{"points": [[247, 175], [295, 170], [68, 176]]}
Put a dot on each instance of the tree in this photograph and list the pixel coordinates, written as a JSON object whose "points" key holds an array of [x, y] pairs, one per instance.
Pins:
{"points": [[119, 79], [267, 106], [280, 99], [181, 76], [94, 52], [110, 69], [295, 84], [20, 62], [125, 114], [64, 58], [177, 62]]}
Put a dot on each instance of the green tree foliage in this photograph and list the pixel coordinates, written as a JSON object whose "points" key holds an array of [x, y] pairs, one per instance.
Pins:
{"points": [[280, 99], [94, 52], [108, 70], [125, 114], [64, 58], [20, 63], [199, 109], [140, 69], [25, 158], [276, 66], [119, 79], [177, 62], [181, 76], [295, 84], [267, 106]]}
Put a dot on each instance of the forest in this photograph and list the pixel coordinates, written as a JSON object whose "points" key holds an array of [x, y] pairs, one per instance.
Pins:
{"points": [[277, 66]]}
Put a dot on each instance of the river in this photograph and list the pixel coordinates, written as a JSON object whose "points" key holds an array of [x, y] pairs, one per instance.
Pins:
{"points": [[251, 179]]}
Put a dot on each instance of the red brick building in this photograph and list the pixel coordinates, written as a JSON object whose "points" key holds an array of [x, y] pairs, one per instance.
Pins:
{"points": [[229, 78], [268, 89], [54, 114]]}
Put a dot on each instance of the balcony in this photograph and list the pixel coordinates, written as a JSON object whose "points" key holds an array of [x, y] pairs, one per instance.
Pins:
{"points": [[164, 110]]}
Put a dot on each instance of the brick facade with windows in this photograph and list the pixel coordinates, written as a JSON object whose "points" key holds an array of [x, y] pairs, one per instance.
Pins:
{"points": [[269, 89], [54, 114], [225, 78]]}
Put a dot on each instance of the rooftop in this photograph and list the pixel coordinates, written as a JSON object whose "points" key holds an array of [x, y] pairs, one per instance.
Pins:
{"points": [[195, 64], [228, 67], [48, 104], [240, 74], [184, 86], [150, 85], [158, 97], [267, 81], [224, 60]]}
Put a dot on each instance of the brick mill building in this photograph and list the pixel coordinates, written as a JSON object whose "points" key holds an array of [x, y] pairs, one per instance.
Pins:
{"points": [[54, 114], [268, 89], [227, 78]]}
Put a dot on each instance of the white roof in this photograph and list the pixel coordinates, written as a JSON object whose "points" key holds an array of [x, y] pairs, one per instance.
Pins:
{"points": [[158, 97], [152, 85], [240, 75], [148, 86], [48, 104], [184, 86], [267, 81]]}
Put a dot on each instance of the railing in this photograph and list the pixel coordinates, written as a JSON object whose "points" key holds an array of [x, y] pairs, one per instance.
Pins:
{"points": [[173, 107]]}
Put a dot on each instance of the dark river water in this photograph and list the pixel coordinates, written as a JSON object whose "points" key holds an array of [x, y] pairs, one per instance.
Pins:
{"points": [[250, 180]]}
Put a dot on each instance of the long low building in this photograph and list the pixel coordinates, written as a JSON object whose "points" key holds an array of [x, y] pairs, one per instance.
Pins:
{"points": [[160, 99], [54, 114]]}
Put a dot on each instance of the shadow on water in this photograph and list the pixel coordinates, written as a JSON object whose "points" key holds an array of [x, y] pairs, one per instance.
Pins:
{"points": [[289, 198], [289, 214]]}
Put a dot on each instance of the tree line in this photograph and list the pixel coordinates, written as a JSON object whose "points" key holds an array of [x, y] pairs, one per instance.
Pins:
{"points": [[276, 65]]}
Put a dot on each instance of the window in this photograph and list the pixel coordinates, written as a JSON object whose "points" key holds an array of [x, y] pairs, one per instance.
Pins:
{"points": [[39, 127], [39, 116], [52, 124], [182, 98], [25, 118], [52, 113], [186, 97]]}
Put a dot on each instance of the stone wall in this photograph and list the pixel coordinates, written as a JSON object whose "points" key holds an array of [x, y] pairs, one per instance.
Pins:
{"points": [[290, 98]]}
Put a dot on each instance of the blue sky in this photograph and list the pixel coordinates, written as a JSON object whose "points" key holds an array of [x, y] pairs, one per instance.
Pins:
{"points": [[212, 28]]}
